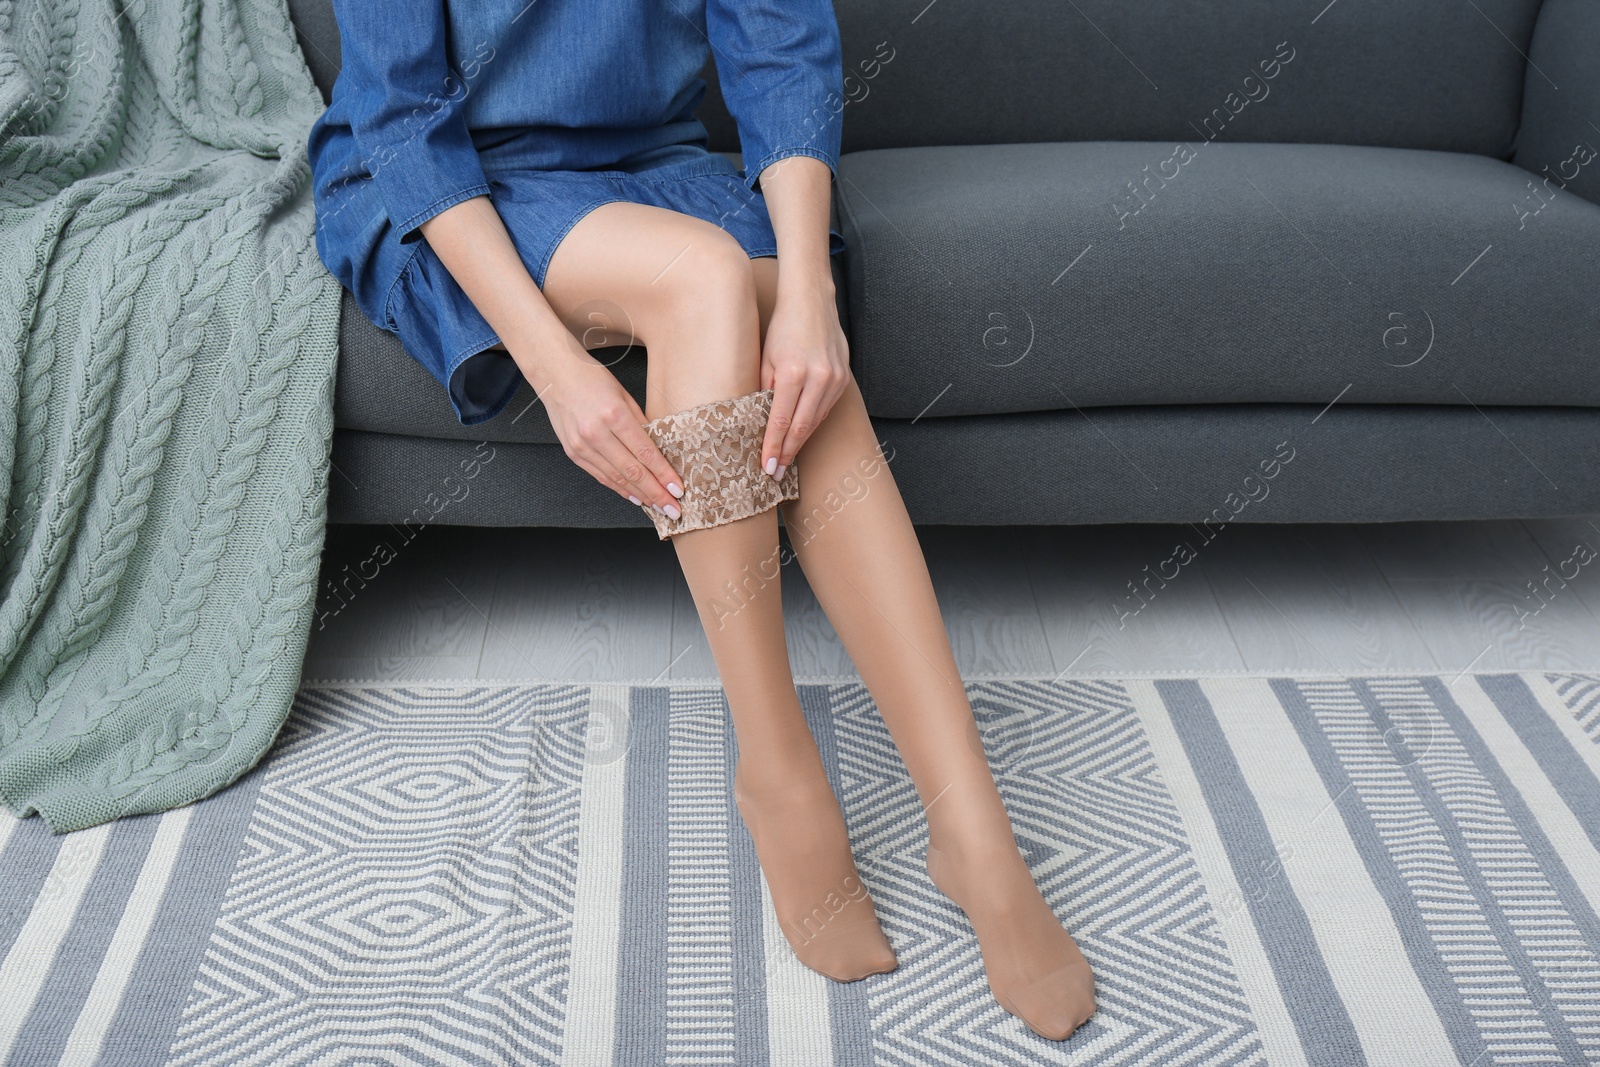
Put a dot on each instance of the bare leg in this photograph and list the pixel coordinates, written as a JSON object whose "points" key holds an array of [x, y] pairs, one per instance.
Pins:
{"points": [[860, 554], [686, 290]]}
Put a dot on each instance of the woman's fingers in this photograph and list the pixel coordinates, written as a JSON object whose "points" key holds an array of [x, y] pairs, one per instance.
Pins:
{"points": [[600, 427], [595, 471], [608, 440], [611, 467], [633, 465], [794, 420], [629, 433], [786, 387], [623, 458]]}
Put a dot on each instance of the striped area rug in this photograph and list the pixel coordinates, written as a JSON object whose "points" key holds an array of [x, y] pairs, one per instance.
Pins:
{"points": [[1385, 870]]}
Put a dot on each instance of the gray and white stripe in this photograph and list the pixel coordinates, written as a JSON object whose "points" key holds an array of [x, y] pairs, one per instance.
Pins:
{"points": [[1298, 871]]}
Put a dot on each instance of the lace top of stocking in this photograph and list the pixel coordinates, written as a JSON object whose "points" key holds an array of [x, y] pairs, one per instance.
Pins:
{"points": [[716, 447]]}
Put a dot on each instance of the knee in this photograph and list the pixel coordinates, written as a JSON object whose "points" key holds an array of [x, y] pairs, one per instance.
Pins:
{"points": [[710, 281]]}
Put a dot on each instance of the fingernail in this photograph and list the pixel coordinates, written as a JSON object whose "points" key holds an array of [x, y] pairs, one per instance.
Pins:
{"points": [[781, 468], [676, 490], [772, 464], [672, 511], [635, 501]]}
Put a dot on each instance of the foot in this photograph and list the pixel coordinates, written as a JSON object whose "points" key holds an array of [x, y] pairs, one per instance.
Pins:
{"points": [[1034, 967], [823, 907]]}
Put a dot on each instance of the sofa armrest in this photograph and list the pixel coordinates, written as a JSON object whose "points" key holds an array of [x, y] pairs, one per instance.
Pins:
{"points": [[1559, 139]]}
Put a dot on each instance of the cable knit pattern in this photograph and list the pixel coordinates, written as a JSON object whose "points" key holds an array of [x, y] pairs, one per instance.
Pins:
{"points": [[168, 337], [717, 449]]}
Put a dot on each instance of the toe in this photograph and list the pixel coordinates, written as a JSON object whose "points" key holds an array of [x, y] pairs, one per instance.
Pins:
{"points": [[849, 952], [1055, 1005]]}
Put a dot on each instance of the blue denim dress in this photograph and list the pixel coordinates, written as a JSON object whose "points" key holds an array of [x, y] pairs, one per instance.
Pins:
{"points": [[550, 109]]}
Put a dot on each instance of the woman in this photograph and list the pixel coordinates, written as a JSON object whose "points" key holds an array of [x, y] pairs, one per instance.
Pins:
{"points": [[506, 186]]}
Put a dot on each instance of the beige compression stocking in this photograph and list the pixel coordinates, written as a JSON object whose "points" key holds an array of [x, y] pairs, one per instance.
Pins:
{"points": [[861, 557], [727, 544]]}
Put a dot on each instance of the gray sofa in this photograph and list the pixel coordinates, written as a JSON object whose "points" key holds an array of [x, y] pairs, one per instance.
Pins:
{"points": [[1117, 262]]}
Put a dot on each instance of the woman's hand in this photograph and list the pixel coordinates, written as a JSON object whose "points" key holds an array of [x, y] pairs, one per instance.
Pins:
{"points": [[599, 424], [601, 429], [805, 361]]}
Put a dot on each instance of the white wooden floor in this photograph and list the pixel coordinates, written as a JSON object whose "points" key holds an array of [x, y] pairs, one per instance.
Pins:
{"points": [[593, 605]]}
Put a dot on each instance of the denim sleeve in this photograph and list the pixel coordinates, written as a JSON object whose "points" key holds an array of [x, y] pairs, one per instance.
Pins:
{"points": [[782, 75], [406, 108]]}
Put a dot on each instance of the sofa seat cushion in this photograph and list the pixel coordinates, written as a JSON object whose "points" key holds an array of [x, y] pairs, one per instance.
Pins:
{"points": [[1027, 277]]}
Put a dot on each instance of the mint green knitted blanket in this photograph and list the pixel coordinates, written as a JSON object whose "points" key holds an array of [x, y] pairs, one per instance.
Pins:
{"points": [[169, 338]]}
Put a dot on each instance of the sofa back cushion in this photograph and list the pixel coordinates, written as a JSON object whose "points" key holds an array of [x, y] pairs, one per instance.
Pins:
{"points": [[1397, 73], [318, 35], [1560, 139]]}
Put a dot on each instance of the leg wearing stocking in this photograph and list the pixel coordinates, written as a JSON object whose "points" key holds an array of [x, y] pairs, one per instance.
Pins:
{"points": [[860, 554], [780, 787], [863, 561], [686, 290]]}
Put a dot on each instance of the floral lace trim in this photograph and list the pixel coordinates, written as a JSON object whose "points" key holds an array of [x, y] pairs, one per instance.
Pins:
{"points": [[717, 449]]}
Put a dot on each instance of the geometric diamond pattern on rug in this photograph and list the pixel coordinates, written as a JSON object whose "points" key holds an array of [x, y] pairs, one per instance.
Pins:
{"points": [[388, 907], [1108, 849], [401, 882], [456, 874]]}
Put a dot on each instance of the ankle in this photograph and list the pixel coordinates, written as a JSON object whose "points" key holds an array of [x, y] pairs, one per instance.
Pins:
{"points": [[788, 785], [987, 852], [991, 876]]}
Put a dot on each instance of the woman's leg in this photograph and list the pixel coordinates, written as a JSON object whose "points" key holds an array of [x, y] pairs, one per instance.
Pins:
{"points": [[860, 554], [686, 290]]}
